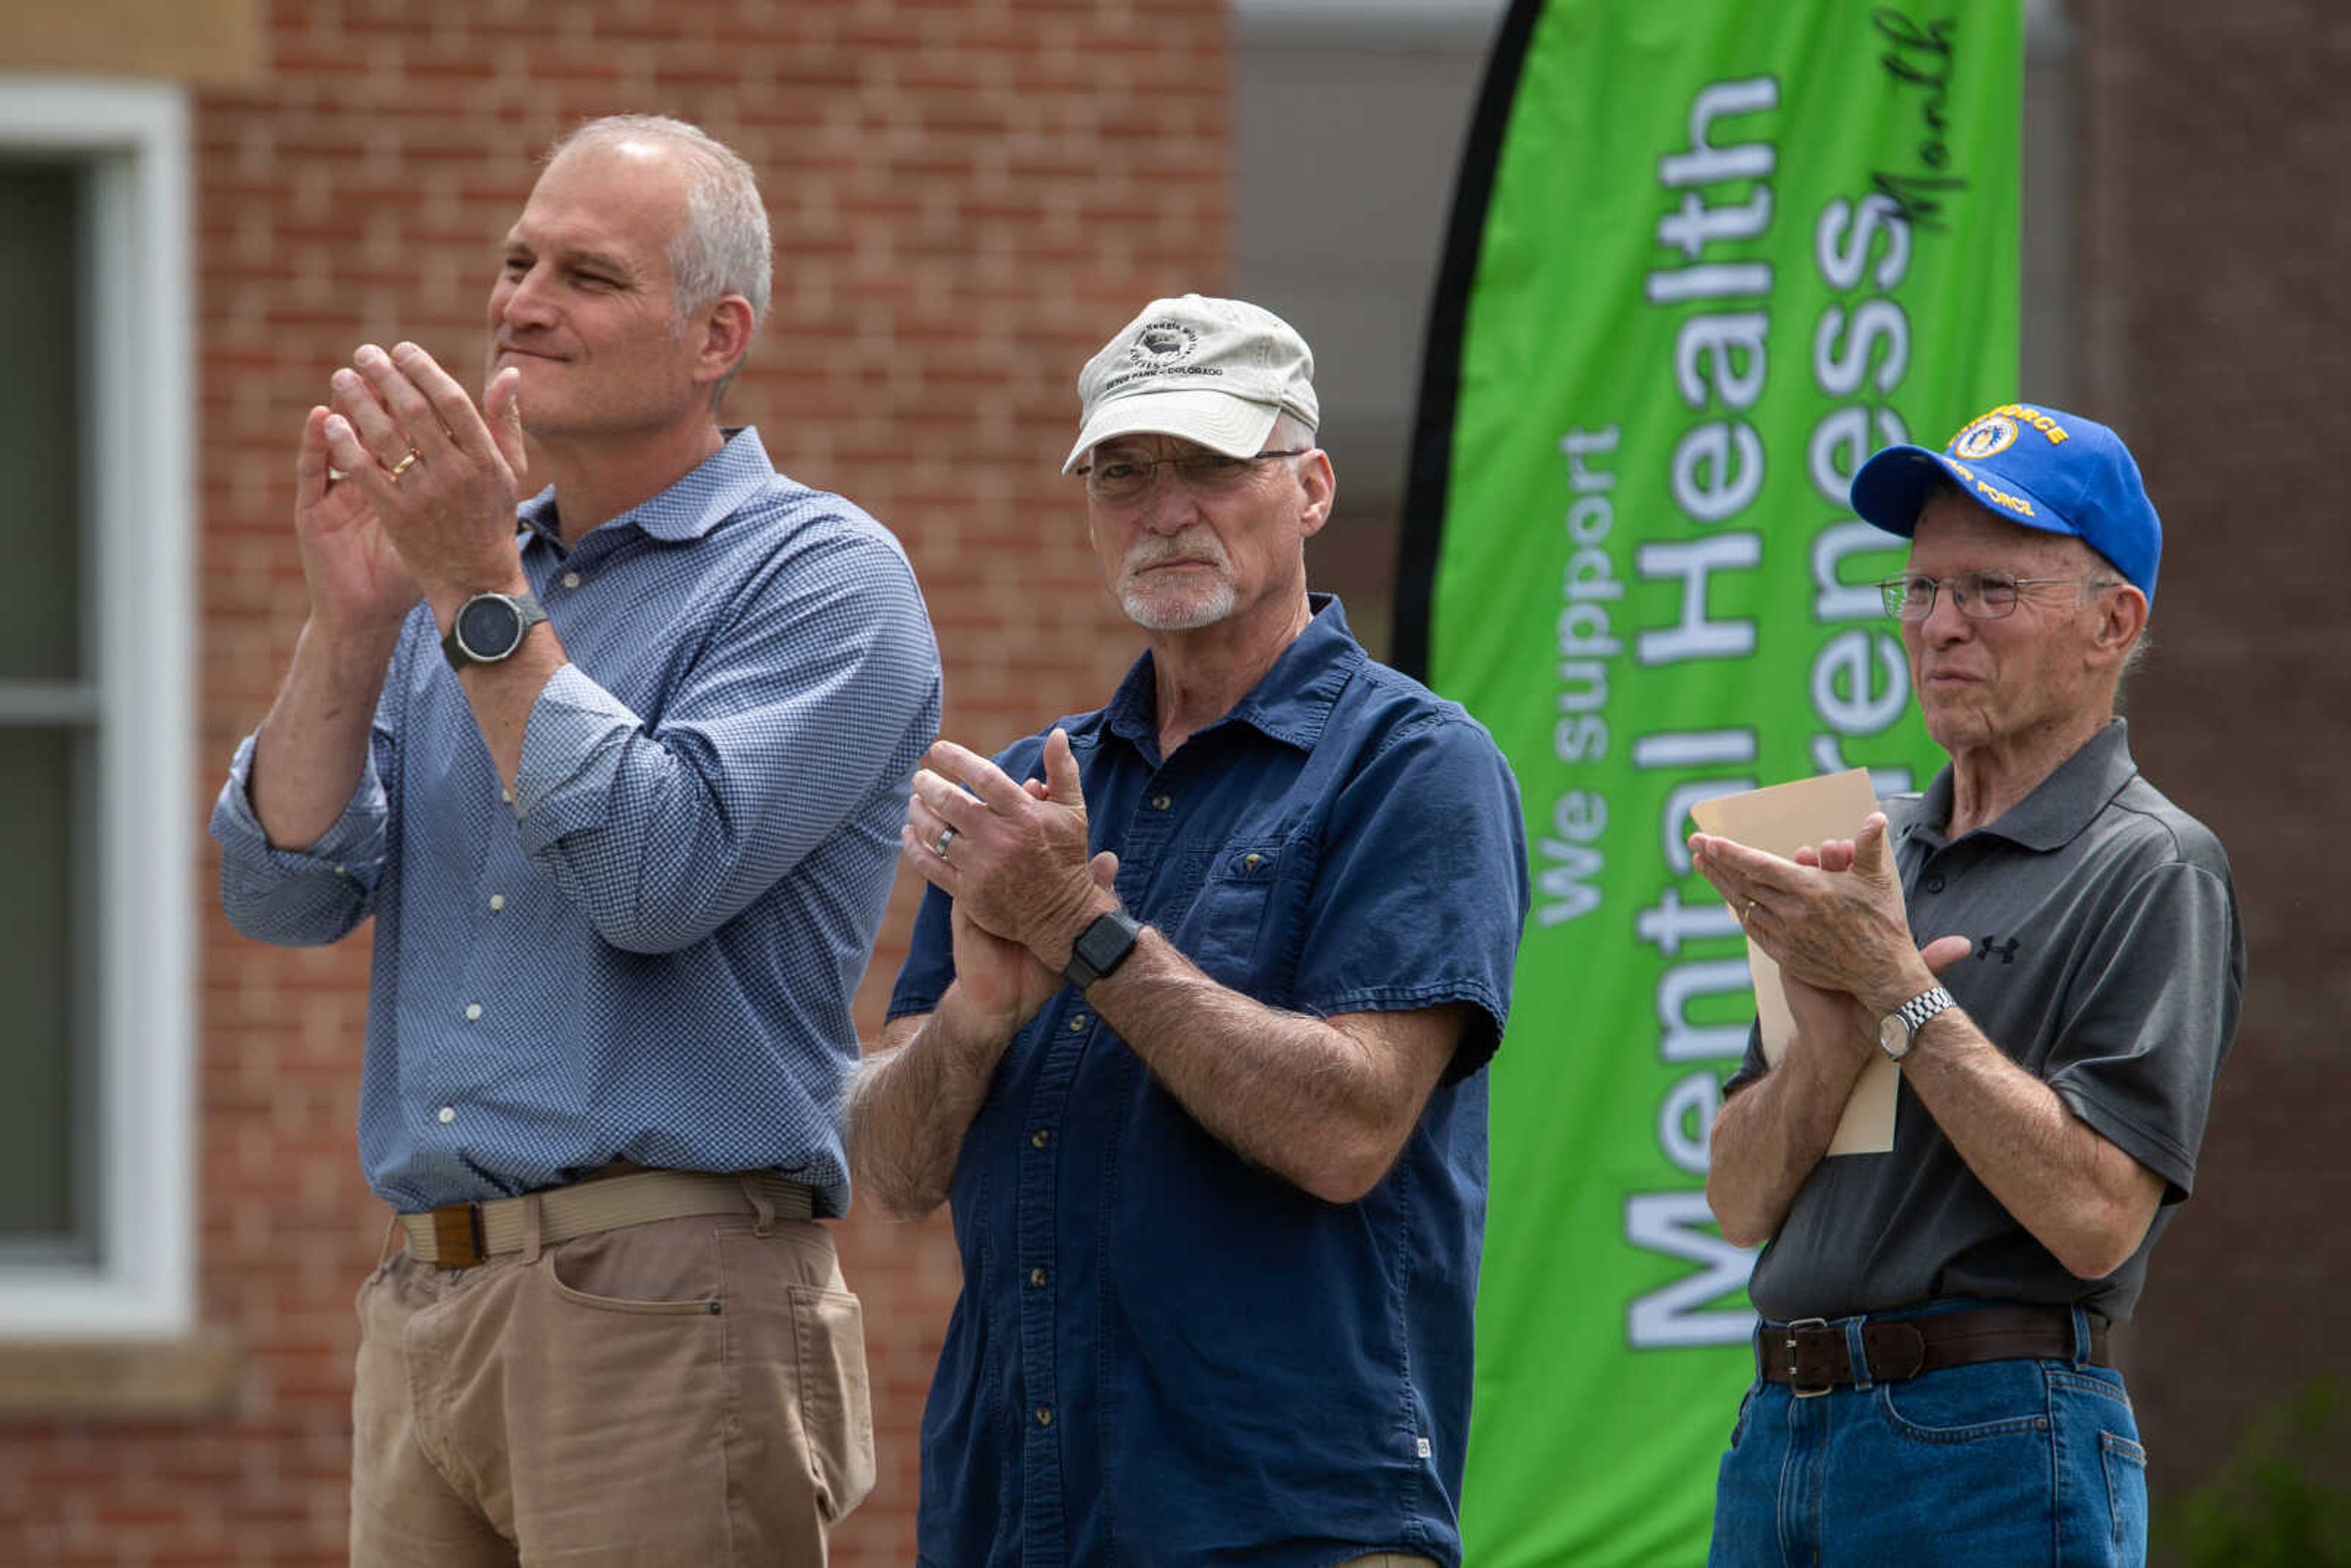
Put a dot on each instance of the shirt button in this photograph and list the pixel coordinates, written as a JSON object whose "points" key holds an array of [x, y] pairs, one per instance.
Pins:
{"points": [[1078, 1022], [570, 580], [448, 1114], [342, 871], [1036, 1278], [1161, 802], [1933, 884], [1044, 1414], [473, 1011], [1040, 1138], [497, 901], [506, 794]]}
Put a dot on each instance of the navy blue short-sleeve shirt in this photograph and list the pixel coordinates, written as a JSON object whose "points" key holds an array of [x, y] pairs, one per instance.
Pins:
{"points": [[1161, 1353]]}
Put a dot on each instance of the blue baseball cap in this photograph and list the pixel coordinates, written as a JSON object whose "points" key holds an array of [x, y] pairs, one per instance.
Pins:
{"points": [[2038, 467]]}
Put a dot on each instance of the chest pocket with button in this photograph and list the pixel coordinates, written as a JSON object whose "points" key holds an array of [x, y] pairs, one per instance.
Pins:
{"points": [[1233, 930]]}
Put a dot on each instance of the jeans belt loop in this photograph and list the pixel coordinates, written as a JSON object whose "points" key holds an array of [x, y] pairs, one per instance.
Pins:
{"points": [[1857, 1353], [1796, 1386], [2082, 1356]]}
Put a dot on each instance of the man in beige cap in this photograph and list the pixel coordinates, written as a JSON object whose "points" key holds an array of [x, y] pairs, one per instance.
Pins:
{"points": [[1192, 1032]]}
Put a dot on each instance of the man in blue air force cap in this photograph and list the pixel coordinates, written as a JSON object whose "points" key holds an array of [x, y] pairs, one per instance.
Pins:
{"points": [[1934, 1379]]}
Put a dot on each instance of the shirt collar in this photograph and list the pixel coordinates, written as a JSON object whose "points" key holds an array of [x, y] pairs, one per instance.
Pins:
{"points": [[688, 510], [2059, 806], [1290, 703]]}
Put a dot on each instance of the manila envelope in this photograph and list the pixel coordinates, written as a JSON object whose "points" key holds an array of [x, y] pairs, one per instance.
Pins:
{"points": [[1780, 818]]}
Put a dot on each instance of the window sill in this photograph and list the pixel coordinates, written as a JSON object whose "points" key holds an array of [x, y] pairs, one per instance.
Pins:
{"points": [[119, 1380]]}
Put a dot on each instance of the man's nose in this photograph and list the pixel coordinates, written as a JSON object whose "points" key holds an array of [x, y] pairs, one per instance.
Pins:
{"points": [[526, 300], [1168, 506], [1946, 622]]}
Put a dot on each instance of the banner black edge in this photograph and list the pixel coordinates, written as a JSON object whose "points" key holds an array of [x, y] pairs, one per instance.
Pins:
{"points": [[1423, 523]]}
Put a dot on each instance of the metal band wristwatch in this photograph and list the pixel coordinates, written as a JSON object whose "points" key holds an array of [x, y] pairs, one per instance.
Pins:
{"points": [[489, 627], [1898, 1029], [1102, 946]]}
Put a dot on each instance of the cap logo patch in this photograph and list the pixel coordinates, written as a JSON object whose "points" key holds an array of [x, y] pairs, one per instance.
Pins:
{"points": [[2035, 418], [1991, 434], [1163, 345]]}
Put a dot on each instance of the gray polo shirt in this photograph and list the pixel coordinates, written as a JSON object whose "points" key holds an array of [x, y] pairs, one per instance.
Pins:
{"points": [[2108, 962]]}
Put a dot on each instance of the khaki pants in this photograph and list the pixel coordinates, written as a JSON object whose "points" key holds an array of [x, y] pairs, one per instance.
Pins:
{"points": [[688, 1391]]}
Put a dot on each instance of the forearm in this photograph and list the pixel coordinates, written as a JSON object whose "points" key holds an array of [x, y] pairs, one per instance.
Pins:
{"points": [[1770, 1134], [1318, 1105], [504, 694], [2082, 1198], [313, 747], [912, 1101]]}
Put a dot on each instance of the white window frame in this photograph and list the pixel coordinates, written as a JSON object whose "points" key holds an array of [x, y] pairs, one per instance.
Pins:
{"points": [[138, 409]]}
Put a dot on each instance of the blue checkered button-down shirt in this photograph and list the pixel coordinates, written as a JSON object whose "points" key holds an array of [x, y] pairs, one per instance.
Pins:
{"points": [[649, 954]]}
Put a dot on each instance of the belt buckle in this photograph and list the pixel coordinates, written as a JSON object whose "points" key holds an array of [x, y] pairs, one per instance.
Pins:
{"points": [[1800, 1389], [457, 1235]]}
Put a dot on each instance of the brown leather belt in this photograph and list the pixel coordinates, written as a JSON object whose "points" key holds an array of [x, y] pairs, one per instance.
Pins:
{"points": [[460, 1235], [1812, 1355]]}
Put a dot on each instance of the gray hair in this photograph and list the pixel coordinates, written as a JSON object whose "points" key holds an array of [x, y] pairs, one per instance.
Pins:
{"points": [[724, 246], [1289, 430]]}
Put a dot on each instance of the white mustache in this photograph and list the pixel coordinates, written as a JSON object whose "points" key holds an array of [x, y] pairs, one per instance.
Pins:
{"points": [[1150, 551]]}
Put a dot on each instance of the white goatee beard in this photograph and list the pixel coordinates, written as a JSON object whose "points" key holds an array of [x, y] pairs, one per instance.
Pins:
{"points": [[1203, 610], [1190, 610]]}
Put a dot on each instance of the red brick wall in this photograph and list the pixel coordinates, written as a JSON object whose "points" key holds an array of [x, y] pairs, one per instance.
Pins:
{"points": [[968, 196], [2216, 335]]}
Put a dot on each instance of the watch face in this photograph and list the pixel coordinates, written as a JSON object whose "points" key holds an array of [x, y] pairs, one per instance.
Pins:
{"points": [[488, 628], [1894, 1036]]}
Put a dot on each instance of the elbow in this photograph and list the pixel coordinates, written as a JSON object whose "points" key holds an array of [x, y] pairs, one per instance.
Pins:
{"points": [[1743, 1225], [2104, 1233], [1345, 1170], [896, 1194], [898, 1206], [2101, 1249], [646, 934]]}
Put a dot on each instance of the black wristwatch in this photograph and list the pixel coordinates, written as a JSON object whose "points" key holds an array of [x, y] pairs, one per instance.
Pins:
{"points": [[489, 627], [1102, 946]]}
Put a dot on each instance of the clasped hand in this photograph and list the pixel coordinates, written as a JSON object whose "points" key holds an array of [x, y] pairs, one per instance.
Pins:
{"points": [[1832, 916], [404, 489], [1013, 857]]}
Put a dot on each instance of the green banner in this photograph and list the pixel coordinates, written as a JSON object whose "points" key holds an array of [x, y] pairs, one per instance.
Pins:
{"points": [[1707, 255]]}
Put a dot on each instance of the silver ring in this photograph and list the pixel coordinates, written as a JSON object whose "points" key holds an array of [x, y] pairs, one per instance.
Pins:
{"points": [[947, 837]]}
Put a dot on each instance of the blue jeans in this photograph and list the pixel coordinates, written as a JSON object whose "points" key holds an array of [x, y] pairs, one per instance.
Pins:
{"points": [[2015, 1463]]}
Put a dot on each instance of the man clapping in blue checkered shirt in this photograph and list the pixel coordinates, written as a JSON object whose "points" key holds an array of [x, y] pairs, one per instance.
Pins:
{"points": [[621, 788]]}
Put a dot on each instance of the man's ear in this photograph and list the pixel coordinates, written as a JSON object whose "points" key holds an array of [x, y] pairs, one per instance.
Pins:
{"points": [[726, 338], [2121, 619], [1322, 486]]}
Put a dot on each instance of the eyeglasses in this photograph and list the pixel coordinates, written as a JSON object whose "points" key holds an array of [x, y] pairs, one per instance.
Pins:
{"points": [[1978, 595], [1120, 476]]}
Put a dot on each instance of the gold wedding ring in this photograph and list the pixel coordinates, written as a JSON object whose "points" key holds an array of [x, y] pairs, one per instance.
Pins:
{"points": [[404, 464]]}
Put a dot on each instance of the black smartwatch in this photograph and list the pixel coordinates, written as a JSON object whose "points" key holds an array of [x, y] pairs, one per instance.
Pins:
{"points": [[489, 627], [1102, 946]]}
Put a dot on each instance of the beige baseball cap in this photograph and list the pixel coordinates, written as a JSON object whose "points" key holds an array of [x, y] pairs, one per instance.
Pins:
{"points": [[1218, 371]]}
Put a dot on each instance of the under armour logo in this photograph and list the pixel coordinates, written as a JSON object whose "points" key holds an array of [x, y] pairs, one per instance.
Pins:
{"points": [[1986, 947]]}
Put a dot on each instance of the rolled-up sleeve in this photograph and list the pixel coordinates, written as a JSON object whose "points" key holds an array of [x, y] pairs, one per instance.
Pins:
{"points": [[306, 897], [660, 832]]}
